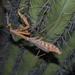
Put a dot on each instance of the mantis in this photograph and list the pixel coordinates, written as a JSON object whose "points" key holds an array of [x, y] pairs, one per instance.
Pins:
{"points": [[45, 46]]}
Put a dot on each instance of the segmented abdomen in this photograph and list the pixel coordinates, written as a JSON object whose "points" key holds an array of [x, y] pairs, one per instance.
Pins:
{"points": [[45, 46]]}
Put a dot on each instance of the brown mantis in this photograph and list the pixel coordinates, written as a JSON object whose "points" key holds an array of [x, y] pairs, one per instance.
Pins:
{"points": [[45, 46]]}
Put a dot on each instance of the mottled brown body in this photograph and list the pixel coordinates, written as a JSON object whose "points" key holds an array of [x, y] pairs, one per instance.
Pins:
{"points": [[45, 46]]}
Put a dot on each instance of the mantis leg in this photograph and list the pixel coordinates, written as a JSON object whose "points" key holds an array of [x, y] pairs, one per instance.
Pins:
{"points": [[26, 33], [37, 55], [24, 18], [22, 30]]}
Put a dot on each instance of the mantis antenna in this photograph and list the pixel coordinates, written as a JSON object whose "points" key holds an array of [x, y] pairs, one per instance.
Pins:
{"points": [[50, 25]]}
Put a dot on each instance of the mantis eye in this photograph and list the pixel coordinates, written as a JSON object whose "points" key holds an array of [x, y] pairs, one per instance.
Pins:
{"points": [[8, 27]]}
